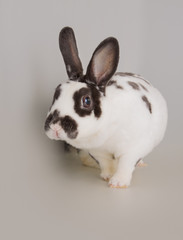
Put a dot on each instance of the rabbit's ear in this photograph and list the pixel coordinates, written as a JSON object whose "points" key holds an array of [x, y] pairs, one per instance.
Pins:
{"points": [[68, 48], [103, 63]]}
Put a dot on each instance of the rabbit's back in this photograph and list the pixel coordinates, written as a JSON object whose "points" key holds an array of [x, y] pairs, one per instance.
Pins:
{"points": [[137, 109]]}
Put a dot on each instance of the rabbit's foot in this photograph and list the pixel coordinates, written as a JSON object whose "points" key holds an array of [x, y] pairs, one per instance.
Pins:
{"points": [[120, 181], [114, 186], [106, 175], [141, 163]]}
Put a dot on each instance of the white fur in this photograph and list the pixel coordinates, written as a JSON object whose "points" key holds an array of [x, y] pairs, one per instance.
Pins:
{"points": [[126, 130]]}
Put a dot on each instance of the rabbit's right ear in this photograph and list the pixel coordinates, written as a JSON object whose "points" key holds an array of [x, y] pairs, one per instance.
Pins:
{"points": [[68, 48], [103, 63]]}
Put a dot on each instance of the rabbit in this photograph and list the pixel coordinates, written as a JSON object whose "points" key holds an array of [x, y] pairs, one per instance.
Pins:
{"points": [[114, 118]]}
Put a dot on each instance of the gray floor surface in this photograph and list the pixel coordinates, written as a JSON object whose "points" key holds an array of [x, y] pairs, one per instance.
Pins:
{"points": [[46, 194]]}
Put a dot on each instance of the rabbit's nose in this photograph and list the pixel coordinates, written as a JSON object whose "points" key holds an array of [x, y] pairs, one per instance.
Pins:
{"points": [[55, 127]]}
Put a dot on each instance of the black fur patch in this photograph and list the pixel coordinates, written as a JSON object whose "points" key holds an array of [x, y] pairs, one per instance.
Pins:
{"points": [[47, 122], [95, 98], [94, 158], [52, 118], [96, 101], [70, 126], [124, 74], [134, 85], [119, 87], [148, 104], [112, 82], [142, 86], [77, 102], [56, 94]]}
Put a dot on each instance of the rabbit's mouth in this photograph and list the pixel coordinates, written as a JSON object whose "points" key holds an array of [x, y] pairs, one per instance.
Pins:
{"points": [[54, 134], [57, 133], [55, 125]]}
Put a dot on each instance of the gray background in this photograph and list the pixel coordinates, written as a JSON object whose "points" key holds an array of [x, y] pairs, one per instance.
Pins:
{"points": [[44, 194]]}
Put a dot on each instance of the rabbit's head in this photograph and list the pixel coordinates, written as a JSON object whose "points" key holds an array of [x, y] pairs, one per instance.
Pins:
{"points": [[77, 112]]}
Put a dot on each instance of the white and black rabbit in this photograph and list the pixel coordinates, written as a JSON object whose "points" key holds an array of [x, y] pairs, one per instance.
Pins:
{"points": [[114, 118]]}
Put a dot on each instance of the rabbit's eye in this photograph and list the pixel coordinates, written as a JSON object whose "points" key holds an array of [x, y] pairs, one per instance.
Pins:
{"points": [[86, 101]]}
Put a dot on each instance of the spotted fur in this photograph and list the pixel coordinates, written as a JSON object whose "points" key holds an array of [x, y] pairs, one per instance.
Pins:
{"points": [[148, 104], [57, 93], [127, 74], [82, 112], [134, 85], [53, 117], [70, 126], [114, 83], [143, 87], [95, 98], [123, 118]]}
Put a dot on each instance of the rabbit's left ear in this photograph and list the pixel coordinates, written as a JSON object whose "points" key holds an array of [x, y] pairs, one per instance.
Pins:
{"points": [[68, 48], [103, 63]]}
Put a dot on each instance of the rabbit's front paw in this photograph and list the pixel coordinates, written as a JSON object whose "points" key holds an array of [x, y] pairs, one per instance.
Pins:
{"points": [[120, 181], [106, 175], [141, 163]]}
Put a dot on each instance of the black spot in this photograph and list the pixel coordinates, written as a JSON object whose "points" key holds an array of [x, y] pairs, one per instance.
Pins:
{"points": [[47, 122], [114, 83], [142, 86], [148, 104], [119, 87], [82, 112], [126, 74], [52, 118], [95, 101], [56, 113], [134, 85], [56, 94], [94, 158], [70, 126], [146, 81]]}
